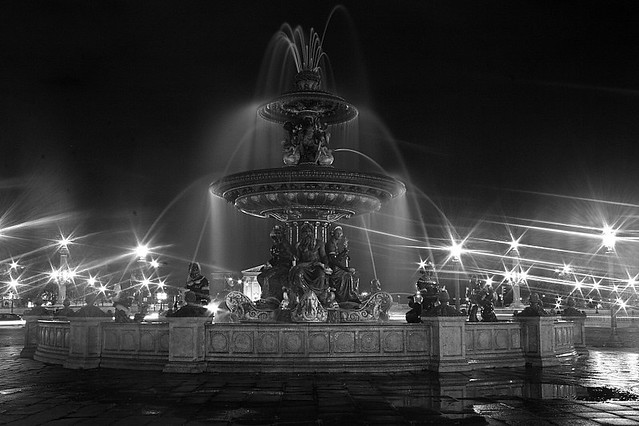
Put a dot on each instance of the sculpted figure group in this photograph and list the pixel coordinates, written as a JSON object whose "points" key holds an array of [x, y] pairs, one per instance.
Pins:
{"points": [[307, 143], [310, 273]]}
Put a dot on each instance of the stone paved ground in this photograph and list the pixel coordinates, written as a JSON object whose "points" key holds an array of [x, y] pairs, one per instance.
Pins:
{"points": [[600, 389]]}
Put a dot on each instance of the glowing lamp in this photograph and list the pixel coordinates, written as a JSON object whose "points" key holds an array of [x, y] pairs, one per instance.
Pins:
{"points": [[456, 251], [64, 242], [14, 283], [142, 251], [609, 238]]}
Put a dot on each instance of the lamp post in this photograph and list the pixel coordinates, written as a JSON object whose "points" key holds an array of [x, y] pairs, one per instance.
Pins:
{"points": [[13, 284], [516, 276], [11, 296], [64, 275], [609, 239], [138, 278], [161, 296], [456, 251]]}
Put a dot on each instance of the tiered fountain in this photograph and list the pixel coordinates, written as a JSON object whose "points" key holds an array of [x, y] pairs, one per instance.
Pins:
{"points": [[307, 189], [307, 193]]}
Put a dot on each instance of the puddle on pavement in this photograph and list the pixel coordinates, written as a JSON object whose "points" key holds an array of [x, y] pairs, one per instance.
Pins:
{"points": [[607, 394]]}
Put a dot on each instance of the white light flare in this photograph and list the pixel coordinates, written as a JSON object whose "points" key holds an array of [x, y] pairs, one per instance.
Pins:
{"points": [[608, 238], [141, 251], [456, 250]]}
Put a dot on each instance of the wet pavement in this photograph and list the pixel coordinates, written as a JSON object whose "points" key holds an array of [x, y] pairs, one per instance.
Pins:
{"points": [[599, 389]]}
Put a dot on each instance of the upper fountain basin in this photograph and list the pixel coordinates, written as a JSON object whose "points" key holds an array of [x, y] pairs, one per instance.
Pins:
{"points": [[307, 192], [290, 106]]}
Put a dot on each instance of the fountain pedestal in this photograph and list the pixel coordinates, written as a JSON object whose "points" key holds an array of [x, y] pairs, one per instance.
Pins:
{"points": [[30, 335], [538, 340], [186, 345], [579, 332], [448, 344], [85, 342]]}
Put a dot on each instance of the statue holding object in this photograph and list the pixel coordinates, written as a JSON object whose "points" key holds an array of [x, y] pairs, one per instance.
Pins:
{"points": [[343, 278], [309, 275], [274, 274]]}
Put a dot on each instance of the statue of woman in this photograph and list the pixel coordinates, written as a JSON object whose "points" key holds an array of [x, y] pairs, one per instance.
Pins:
{"points": [[274, 274], [343, 278], [309, 273]]}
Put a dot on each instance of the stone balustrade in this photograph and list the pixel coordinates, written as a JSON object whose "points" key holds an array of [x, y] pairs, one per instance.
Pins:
{"points": [[494, 344], [146, 343], [319, 347], [53, 341], [194, 345]]}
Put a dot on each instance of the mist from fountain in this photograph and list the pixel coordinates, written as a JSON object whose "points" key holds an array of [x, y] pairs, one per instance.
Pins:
{"points": [[242, 141]]}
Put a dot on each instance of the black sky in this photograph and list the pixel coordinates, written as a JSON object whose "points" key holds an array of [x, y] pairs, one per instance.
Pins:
{"points": [[107, 104]]}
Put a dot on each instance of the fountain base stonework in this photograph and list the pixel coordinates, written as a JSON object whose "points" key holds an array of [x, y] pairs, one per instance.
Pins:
{"points": [[195, 345]]}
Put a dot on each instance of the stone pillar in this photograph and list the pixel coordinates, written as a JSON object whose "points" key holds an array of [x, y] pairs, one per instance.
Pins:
{"points": [[448, 343], [579, 333], [187, 342], [85, 343], [31, 331], [538, 340]]}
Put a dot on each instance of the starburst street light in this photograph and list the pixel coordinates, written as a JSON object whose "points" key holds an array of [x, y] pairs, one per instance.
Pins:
{"points": [[63, 275], [456, 250], [141, 251], [13, 290], [13, 283], [516, 276], [64, 242], [422, 264], [608, 241], [608, 238]]}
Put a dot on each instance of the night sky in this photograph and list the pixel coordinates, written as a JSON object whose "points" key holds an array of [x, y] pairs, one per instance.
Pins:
{"points": [[112, 110]]}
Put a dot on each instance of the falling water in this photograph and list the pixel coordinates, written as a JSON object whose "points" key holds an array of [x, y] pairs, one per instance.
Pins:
{"points": [[242, 142], [370, 248]]}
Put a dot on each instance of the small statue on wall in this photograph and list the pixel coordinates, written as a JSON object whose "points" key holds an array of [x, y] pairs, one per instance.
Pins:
{"points": [[198, 283], [427, 286], [534, 309], [443, 309]]}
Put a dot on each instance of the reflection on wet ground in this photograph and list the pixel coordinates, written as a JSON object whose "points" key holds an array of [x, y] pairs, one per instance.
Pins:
{"points": [[603, 384]]}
